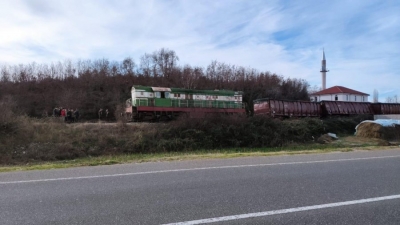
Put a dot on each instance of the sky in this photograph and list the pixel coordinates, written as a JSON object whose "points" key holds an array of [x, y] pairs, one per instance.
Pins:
{"points": [[361, 38]]}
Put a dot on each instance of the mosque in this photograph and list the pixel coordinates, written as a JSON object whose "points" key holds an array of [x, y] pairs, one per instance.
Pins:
{"points": [[336, 93]]}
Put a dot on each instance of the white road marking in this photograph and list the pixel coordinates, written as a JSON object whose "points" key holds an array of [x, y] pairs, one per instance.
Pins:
{"points": [[283, 211], [194, 169]]}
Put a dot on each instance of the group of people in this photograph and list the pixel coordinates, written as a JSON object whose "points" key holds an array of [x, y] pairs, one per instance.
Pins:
{"points": [[69, 115], [103, 113]]}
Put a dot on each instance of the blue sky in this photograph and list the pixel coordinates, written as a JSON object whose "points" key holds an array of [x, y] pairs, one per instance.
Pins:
{"points": [[361, 38]]}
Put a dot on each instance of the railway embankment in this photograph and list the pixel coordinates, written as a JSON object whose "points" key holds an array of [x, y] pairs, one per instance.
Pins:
{"points": [[25, 140]]}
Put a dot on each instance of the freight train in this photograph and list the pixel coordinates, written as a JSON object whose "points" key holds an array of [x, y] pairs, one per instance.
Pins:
{"points": [[285, 108], [160, 103]]}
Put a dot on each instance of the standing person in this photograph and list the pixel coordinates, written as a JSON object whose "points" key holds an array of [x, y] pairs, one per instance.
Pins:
{"points": [[56, 112], [76, 114], [100, 113], [106, 113], [69, 115], [64, 114]]}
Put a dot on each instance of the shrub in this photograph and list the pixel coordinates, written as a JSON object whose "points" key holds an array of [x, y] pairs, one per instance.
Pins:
{"points": [[51, 139]]}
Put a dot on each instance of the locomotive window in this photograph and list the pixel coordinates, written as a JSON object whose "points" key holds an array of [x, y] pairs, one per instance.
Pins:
{"points": [[141, 93], [166, 94], [157, 94], [162, 94]]}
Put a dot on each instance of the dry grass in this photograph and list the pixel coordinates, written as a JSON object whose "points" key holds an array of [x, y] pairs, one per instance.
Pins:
{"points": [[42, 142], [178, 156], [370, 130], [373, 130]]}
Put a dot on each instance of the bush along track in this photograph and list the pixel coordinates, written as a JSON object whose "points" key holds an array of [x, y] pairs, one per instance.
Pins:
{"points": [[27, 140]]}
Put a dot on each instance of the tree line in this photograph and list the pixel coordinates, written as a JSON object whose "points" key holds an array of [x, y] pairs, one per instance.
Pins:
{"points": [[93, 84]]}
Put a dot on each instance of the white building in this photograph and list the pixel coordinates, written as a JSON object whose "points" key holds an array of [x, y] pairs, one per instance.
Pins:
{"points": [[339, 93]]}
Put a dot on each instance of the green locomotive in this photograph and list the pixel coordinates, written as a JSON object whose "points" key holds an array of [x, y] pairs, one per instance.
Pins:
{"points": [[161, 102]]}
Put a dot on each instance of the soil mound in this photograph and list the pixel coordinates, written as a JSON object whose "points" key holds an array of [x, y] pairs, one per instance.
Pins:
{"points": [[325, 138]]}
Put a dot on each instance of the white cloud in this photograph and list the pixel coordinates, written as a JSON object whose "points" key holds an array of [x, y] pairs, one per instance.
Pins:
{"points": [[361, 38]]}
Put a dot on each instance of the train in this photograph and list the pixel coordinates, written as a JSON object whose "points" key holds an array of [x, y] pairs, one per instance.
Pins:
{"points": [[164, 103], [288, 108]]}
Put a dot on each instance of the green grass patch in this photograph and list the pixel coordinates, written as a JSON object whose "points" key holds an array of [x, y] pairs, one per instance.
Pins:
{"points": [[186, 155]]}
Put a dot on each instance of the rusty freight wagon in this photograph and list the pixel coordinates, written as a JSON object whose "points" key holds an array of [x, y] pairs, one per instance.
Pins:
{"points": [[155, 103], [285, 108], [332, 108], [386, 108]]}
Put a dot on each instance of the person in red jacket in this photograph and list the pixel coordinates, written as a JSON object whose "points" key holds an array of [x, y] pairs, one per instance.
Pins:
{"points": [[64, 113]]}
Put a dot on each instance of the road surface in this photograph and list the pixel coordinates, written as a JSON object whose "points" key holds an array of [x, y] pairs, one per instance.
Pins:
{"points": [[360, 187]]}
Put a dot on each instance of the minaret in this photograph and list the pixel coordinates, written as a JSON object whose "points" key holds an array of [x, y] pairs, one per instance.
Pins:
{"points": [[323, 70]]}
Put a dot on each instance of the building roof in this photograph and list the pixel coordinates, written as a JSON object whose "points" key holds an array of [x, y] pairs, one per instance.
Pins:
{"points": [[337, 90]]}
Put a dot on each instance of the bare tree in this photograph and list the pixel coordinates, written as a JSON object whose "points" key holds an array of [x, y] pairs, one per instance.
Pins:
{"points": [[91, 84], [394, 99], [128, 66], [166, 61], [5, 74], [190, 76], [313, 89], [115, 69], [147, 66], [69, 70], [375, 96]]}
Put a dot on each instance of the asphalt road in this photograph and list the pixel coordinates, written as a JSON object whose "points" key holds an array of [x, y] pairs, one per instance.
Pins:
{"points": [[337, 188]]}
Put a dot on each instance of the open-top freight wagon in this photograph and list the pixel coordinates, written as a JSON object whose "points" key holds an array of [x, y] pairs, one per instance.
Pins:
{"points": [[286, 108], [386, 108], [155, 103], [340, 108]]}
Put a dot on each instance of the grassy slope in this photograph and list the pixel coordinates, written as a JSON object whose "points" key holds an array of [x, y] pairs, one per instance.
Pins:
{"points": [[44, 144], [344, 144]]}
